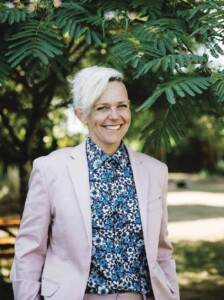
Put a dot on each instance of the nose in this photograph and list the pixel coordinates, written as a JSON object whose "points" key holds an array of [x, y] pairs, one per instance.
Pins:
{"points": [[113, 114]]}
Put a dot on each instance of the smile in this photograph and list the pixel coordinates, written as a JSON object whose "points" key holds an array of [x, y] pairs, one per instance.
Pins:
{"points": [[112, 127]]}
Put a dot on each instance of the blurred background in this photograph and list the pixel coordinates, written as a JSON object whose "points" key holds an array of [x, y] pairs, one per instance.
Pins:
{"points": [[171, 53]]}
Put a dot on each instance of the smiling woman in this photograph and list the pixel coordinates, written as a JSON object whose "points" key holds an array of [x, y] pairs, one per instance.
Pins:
{"points": [[109, 118], [95, 220]]}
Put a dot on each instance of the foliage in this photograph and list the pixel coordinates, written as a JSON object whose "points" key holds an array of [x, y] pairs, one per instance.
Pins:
{"points": [[162, 49], [194, 279], [36, 40], [218, 83], [154, 42]]}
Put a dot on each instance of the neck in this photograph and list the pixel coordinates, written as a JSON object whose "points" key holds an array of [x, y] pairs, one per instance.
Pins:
{"points": [[108, 149]]}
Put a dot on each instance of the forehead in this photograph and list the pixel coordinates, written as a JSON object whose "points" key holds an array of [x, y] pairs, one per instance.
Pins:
{"points": [[114, 92]]}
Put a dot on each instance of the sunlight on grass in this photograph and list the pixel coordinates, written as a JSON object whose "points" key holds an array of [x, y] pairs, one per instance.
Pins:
{"points": [[200, 269], [187, 278]]}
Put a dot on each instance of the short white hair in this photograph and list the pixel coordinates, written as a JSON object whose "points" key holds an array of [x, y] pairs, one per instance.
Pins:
{"points": [[88, 85]]}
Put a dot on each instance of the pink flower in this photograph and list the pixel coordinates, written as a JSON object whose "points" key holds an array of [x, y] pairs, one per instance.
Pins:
{"points": [[57, 3], [9, 5], [31, 8]]}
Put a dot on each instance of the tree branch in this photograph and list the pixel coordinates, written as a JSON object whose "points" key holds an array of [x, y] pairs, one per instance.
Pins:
{"points": [[9, 148], [6, 123], [39, 110]]}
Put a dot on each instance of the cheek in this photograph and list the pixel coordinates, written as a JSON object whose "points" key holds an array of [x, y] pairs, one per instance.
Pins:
{"points": [[128, 118]]}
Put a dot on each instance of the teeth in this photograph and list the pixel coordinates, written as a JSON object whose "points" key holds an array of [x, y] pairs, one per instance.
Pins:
{"points": [[112, 127]]}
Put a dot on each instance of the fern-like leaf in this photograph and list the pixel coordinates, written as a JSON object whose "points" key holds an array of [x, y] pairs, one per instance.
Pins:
{"points": [[218, 85], [180, 86], [36, 39], [170, 62], [166, 129], [147, 7], [76, 20], [60, 67], [12, 15], [4, 68]]}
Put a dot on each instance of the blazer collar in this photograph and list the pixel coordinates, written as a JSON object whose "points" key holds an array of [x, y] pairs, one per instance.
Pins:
{"points": [[78, 170]]}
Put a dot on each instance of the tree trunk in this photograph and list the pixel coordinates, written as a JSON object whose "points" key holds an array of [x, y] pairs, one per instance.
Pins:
{"points": [[24, 173]]}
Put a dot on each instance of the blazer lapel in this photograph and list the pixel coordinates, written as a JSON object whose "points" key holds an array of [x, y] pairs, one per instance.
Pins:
{"points": [[78, 170], [142, 184]]}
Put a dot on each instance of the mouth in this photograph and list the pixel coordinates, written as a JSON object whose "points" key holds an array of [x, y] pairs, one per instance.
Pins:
{"points": [[113, 127]]}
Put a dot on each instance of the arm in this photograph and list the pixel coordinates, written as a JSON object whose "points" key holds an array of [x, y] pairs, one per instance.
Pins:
{"points": [[31, 242], [165, 250]]}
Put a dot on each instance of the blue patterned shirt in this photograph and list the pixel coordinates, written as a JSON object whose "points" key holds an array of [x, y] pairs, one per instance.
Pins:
{"points": [[119, 261]]}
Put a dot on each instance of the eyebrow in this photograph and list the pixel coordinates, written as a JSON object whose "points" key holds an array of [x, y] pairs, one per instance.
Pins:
{"points": [[106, 103]]}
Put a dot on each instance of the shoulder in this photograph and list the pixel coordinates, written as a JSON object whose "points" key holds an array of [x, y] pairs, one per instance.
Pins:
{"points": [[59, 158], [149, 161], [56, 155]]}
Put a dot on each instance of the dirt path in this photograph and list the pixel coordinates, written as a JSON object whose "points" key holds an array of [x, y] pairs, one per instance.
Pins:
{"points": [[196, 216]]}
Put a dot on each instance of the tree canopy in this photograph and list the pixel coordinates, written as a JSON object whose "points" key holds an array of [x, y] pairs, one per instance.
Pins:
{"points": [[154, 42]]}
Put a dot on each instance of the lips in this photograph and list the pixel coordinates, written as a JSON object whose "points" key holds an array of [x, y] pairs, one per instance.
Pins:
{"points": [[113, 127]]}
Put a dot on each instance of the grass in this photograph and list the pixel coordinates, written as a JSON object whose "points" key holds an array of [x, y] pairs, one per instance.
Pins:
{"points": [[200, 269], [194, 212]]}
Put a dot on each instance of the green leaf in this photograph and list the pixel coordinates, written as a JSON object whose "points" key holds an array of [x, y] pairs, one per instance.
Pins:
{"points": [[166, 138], [187, 89], [41, 56], [96, 37], [12, 15], [170, 96], [167, 126], [183, 86], [217, 80], [35, 39], [4, 68], [18, 59], [165, 63], [151, 100], [179, 90]]}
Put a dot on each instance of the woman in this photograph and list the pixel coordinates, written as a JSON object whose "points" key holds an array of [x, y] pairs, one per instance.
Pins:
{"points": [[95, 220]]}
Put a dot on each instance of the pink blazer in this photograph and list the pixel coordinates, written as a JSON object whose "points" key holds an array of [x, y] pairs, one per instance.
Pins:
{"points": [[53, 246]]}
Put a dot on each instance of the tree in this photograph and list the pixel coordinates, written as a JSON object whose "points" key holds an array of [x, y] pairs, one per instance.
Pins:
{"points": [[153, 41]]}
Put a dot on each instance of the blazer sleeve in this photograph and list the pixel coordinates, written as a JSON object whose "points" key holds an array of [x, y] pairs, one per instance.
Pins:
{"points": [[165, 250], [31, 242]]}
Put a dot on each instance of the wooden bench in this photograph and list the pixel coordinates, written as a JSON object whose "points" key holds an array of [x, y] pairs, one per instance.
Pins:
{"points": [[9, 222], [7, 242], [6, 225]]}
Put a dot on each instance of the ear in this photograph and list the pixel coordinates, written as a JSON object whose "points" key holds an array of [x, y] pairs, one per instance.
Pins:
{"points": [[81, 116]]}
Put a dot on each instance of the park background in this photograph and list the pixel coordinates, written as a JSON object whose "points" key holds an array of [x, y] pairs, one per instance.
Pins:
{"points": [[171, 53]]}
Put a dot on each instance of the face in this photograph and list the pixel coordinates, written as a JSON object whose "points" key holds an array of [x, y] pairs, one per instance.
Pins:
{"points": [[109, 118]]}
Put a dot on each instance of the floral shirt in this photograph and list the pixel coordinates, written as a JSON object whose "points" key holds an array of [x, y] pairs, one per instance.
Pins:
{"points": [[119, 261]]}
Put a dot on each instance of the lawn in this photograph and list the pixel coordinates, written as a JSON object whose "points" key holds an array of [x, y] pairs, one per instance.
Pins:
{"points": [[196, 225], [200, 269]]}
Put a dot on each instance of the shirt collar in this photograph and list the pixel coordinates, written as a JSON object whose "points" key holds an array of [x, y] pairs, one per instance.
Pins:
{"points": [[96, 156]]}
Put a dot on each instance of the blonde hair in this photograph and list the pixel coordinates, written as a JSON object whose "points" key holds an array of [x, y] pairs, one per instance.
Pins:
{"points": [[88, 85]]}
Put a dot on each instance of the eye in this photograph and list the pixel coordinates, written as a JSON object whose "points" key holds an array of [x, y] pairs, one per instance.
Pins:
{"points": [[101, 108], [123, 106]]}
